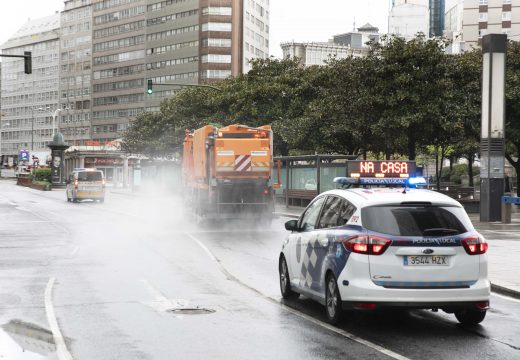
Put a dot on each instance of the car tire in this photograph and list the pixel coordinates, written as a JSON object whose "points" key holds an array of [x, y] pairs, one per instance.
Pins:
{"points": [[285, 282], [68, 199], [470, 317], [333, 308]]}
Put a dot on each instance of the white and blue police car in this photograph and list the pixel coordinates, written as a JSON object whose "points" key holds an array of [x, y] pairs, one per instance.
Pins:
{"points": [[376, 248]]}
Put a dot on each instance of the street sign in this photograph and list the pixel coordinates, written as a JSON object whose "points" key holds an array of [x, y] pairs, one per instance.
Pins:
{"points": [[23, 155]]}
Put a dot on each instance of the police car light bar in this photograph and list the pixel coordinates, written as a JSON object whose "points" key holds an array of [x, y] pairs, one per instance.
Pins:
{"points": [[409, 182], [416, 181], [369, 181]]}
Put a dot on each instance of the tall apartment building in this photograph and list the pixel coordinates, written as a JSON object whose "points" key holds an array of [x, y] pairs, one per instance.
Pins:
{"points": [[409, 17], [23, 125], [118, 65], [76, 71], [437, 12], [453, 27], [483, 17], [251, 32], [168, 41], [109, 49], [172, 47]]}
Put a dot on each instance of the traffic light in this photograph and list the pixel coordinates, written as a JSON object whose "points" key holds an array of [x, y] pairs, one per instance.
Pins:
{"points": [[27, 62], [150, 90]]}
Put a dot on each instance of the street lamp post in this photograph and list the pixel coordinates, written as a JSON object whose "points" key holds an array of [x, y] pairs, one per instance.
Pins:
{"points": [[32, 129], [492, 144], [53, 118], [1, 150], [54, 121]]}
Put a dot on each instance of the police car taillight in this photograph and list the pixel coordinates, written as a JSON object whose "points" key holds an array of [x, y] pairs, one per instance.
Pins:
{"points": [[368, 245], [76, 183], [474, 245]]}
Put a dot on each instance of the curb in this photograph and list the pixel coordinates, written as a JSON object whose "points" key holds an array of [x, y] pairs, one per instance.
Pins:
{"points": [[505, 291]]}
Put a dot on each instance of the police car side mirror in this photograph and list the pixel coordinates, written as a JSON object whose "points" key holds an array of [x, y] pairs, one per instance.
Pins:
{"points": [[291, 225]]}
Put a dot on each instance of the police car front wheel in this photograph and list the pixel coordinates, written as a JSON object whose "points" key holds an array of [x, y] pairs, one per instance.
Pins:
{"points": [[333, 307]]}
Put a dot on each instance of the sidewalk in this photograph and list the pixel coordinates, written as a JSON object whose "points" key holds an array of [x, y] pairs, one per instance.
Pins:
{"points": [[503, 253]]}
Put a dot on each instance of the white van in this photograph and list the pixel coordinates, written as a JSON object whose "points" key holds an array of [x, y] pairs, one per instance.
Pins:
{"points": [[86, 184]]}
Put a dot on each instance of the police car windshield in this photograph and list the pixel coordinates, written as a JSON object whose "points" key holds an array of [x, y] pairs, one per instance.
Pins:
{"points": [[416, 220], [90, 176]]}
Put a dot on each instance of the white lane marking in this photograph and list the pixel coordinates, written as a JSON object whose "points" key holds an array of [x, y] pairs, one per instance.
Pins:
{"points": [[61, 347], [204, 247], [505, 297], [74, 251], [324, 325], [161, 303]]}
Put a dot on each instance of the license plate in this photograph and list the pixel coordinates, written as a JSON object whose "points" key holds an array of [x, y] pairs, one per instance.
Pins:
{"points": [[91, 187], [425, 260]]}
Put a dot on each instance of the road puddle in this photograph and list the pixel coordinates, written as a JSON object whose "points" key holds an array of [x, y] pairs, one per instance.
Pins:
{"points": [[24, 341]]}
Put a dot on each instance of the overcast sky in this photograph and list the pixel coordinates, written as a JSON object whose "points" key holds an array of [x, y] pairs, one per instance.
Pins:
{"points": [[298, 20]]}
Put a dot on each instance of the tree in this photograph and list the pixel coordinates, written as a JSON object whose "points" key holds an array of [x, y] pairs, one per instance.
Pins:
{"points": [[149, 134], [465, 104], [413, 82]]}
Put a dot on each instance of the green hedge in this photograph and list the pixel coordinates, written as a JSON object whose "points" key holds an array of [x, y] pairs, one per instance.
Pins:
{"points": [[43, 174], [46, 185]]}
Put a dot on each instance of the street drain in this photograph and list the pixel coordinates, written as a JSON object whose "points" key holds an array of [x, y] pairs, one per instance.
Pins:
{"points": [[191, 311]]}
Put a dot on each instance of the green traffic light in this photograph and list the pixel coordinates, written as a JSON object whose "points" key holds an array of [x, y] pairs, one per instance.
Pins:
{"points": [[150, 91], [150, 85]]}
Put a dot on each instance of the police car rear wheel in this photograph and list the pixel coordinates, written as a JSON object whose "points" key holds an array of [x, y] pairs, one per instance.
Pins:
{"points": [[285, 284], [332, 300], [470, 317]]}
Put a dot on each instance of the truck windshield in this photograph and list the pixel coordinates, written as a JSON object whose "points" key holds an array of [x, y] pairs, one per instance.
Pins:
{"points": [[416, 220]]}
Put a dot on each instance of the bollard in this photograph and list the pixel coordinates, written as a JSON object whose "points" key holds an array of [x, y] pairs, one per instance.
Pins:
{"points": [[506, 213]]}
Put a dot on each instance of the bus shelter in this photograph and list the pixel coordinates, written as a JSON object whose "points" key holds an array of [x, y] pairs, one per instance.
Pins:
{"points": [[304, 177]]}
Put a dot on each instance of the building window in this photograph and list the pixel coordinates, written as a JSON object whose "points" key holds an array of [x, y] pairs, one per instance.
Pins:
{"points": [[506, 16], [482, 17], [216, 42], [507, 1], [507, 32], [216, 26], [215, 58], [483, 2], [214, 10], [215, 74]]}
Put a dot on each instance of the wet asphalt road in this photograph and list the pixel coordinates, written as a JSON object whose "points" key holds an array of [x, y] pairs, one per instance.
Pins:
{"points": [[126, 270]]}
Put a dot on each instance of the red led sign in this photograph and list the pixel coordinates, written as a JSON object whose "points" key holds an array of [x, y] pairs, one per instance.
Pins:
{"points": [[381, 169]]}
